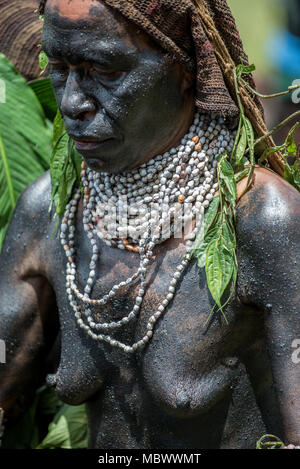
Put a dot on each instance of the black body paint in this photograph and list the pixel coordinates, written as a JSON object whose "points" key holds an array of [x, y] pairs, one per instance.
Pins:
{"points": [[192, 386]]}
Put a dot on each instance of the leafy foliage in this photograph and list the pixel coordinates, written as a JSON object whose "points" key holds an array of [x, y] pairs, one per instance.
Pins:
{"points": [[49, 424], [44, 91], [25, 141], [68, 430], [290, 150], [43, 61], [65, 162], [269, 442], [64, 166], [215, 247]]}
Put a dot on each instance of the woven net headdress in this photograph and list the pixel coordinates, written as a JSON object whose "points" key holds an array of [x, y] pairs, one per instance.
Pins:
{"points": [[202, 36]]}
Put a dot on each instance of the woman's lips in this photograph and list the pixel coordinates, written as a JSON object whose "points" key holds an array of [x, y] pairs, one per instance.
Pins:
{"points": [[82, 145]]}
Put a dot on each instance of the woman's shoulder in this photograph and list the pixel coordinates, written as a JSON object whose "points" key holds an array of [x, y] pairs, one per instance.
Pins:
{"points": [[32, 209], [270, 205], [268, 242]]}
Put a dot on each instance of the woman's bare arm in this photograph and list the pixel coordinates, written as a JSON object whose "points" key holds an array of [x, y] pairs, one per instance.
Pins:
{"points": [[28, 316], [268, 230]]}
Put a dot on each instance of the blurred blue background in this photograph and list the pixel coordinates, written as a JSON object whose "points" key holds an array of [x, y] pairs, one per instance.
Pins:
{"points": [[270, 30]]}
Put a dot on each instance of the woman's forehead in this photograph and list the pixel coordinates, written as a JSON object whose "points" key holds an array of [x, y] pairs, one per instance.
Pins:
{"points": [[75, 10], [92, 20]]}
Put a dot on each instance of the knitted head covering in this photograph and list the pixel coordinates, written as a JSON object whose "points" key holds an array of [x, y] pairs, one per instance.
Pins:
{"points": [[176, 26], [202, 36]]}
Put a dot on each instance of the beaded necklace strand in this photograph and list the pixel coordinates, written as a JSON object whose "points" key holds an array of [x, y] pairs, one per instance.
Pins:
{"points": [[183, 176]]}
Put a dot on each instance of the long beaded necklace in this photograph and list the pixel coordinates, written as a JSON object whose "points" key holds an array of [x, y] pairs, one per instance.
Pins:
{"points": [[155, 193]]}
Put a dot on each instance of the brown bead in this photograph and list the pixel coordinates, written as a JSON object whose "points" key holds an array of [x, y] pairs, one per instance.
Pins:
{"points": [[70, 259], [182, 182], [195, 139], [198, 147], [125, 242], [128, 246], [181, 199], [131, 248], [64, 220], [183, 166], [83, 165]]}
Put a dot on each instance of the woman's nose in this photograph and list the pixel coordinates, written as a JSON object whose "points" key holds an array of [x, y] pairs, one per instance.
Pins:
{"points": [[75, 104]]}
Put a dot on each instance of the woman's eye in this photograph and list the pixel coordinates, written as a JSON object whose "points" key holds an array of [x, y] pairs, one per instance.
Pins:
{"points": [[106, 75], [60, 67]]}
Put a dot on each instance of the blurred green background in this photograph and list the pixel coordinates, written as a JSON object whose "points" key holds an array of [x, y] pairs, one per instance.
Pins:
{"points": [[256, 20], [270, 31]]}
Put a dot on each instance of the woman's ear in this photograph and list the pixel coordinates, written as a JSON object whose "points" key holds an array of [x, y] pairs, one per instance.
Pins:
{"points": [[188, 80]]}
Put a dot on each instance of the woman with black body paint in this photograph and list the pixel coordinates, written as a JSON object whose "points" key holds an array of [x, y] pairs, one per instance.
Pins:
{"points": [[123, 102]]}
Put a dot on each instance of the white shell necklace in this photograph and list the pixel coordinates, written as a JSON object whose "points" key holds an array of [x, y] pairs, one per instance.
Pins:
{"points": [[155, 195]]}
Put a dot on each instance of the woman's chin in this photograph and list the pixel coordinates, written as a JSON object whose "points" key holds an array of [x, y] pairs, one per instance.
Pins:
{"points": [[111, 166]]}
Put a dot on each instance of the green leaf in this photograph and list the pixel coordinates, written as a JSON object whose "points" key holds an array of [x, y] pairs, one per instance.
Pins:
{"points": [[43, 61], [58, 163], [66, 184], [227, 264], [25, 140], [230, 191], [269, 442], [227, 169], [64, 167], [241, 174], [269, 151], [244, 70], [68, 429], [250, 138], [210, 213], [5, 166], [292, 175], [220, 262], [44, 91], [208, 232], [250, 141], [200, 251], [289, 143], [236, 140], [228, 233], [241, 147], [213, 268], [58, 128]]}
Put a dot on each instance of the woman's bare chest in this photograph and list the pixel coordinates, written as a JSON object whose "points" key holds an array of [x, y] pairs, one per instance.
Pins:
{"points": [[184, 360]]}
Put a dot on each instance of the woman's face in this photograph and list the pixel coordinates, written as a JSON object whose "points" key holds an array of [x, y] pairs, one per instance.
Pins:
{"points": [[121, 100]]}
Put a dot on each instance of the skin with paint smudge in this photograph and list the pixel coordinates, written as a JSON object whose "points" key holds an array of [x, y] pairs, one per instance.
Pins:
{"points": [[122, 100], [195, 385]]}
